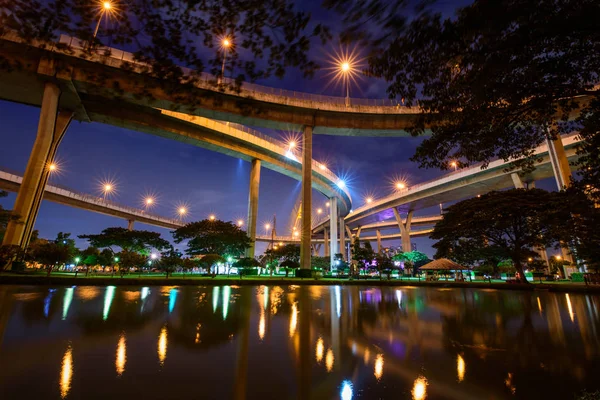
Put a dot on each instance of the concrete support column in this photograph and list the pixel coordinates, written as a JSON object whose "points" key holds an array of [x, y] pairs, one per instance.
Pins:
{"points": [[560, 163], [562, 174], [253, 206], [130, 224], [51, 129], [342, 228], [326, 242], [378, 241], [305, 235], [317, 247], [404, 229], [333, 228], [350, 241], [517, 181]]}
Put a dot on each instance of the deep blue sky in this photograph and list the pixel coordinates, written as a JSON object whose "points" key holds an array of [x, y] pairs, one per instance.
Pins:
{"points": [[208, 182]]}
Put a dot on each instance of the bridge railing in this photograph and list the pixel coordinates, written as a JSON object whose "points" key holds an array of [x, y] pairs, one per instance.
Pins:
{"points": [[128, 57], [87, 198]]}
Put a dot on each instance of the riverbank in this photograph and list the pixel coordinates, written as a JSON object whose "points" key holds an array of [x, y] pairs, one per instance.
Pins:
{"points": [[69, 280]]}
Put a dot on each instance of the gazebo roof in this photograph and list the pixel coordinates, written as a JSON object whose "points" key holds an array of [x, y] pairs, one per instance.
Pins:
{"points": [[442, 264]]}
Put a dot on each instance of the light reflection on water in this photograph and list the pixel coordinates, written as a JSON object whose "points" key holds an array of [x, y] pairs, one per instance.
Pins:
{"points": [[345, 342]]}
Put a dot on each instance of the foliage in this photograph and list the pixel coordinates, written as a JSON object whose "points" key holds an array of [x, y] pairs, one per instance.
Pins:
{"points": [[494, 80], [474, 253], [287, 252], [213, 237], [585, 395], [50, 253], [136, 241], [169, 261], [289, 264], [90, 256], [384, 263], [320, 262], [9, 253], [246, 262], [130, 259], [514, 221], [364, 254], [106, 257], [414, 259], [268, 36], [5, 217], [188, 264], [209, 260]]}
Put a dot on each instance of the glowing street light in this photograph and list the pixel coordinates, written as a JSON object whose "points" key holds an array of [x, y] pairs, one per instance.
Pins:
{"points": [[212, 217], [400, 185], [322, 167], [153, 256], [341, 184], [225, 45], [149, 202], [369, 200], [319, 210], [77, 259], [105, 8], [292, 144], [52, 167], [182, 211], [240, 222], [454, 164], [327, 204]]}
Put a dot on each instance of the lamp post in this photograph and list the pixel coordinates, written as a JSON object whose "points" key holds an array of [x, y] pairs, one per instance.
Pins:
{"points": [[345, 67], [106, 7], [225, 45], [107, 188]]}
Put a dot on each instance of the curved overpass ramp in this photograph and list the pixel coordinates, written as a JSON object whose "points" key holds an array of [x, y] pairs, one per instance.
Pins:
{"points": [[458, 185], [114, 74]]}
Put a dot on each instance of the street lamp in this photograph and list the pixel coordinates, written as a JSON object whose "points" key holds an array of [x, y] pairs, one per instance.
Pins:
{"points": [[149, 201], [319, 210], [52, 167], [182, 211], [267, 227], [225, 45], [454, 164], [212, 217], [327, 204], [105, 8], [116, 259], [240, 222], [77, 259], [369, 200], [400, 185], [346, 69]]}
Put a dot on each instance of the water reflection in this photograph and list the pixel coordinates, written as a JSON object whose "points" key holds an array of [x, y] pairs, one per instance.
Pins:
{"points": [[162, 346], [319, 350], [419, 390], [108, 299], [346, 392], [66, 372], [378, 370], [68, 298], [460, 368], [340, 341], [121, 358]]}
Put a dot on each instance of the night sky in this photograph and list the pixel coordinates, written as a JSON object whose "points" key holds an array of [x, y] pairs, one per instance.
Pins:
{"points": [[206, 181]]}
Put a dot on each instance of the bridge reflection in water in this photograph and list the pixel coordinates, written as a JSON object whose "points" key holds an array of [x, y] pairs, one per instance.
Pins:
{"points": [[308, 342]]}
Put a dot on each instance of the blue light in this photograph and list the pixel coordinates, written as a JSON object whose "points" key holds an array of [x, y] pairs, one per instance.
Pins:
{"points": [[341, 184], [108, 298], [47, 302], [172, 299], [346, 393], [67, 302]]}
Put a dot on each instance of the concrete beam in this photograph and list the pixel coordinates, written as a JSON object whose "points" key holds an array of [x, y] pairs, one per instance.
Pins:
{"points": [[560, 163], [333, 229], [404, 229], [517, 181], [326, 242]]}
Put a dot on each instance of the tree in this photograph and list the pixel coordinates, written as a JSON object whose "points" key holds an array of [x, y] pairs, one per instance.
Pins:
{"points": [[494, 80], [213, 237], [187, 264], [384, 265], [169, 261], [90, 257], [136, 241], [363, 255], [9, 253], [209, 260], [287, 252], [129, 259], [106, 258], [245, 263], [289, 264], [473, 253], [412, 260], [50, 253], [5, 217], [320, 262], [515, 221]]}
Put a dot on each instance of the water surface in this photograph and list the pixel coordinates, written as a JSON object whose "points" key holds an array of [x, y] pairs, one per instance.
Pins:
{"points": [[290, 342]]}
